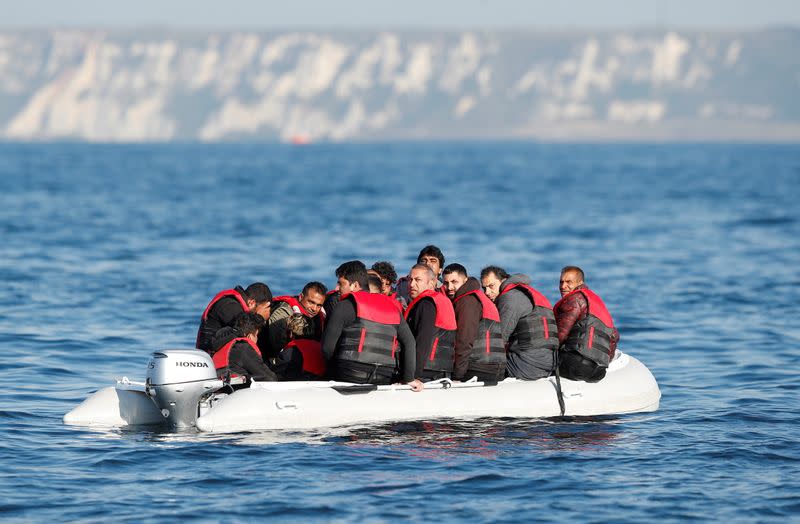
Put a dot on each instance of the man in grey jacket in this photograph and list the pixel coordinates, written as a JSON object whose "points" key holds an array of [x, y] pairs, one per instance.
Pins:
{"points": [[526, 321]]}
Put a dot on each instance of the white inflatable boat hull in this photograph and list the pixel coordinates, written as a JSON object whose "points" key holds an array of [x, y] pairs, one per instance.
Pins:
{"points": [[125, 404], [628, 387]]}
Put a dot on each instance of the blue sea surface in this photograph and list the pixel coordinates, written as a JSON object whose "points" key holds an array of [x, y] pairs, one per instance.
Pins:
{"points": [[109, 252]]}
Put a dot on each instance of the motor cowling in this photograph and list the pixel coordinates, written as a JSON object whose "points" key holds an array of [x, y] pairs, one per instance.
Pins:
{"points": [[177, 380]]}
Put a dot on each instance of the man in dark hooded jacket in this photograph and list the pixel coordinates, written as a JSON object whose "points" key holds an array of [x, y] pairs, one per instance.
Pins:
{"points": [[527, 323]]}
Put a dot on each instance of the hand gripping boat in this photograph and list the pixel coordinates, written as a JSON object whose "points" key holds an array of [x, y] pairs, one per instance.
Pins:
{"points": [[182, 390]]}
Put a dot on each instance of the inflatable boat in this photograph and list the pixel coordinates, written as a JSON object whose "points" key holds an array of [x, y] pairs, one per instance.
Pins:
{"points": [[182, 390]]}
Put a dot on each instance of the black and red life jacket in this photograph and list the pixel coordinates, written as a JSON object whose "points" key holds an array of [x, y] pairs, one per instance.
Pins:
{"points": [[488, 347], [222, 357], [441, 354], [205, 332], [372, 337], [591, 336], [227, 293], [538, 329]]}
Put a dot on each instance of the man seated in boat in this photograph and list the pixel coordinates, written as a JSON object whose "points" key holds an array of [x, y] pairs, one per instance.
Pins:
{"points": [[226, 306], [292, 344], [586, 330], [307, 307], [527, 323], [432, 321], [430, 256], [366, 338], [236, 351], [479, 348]]}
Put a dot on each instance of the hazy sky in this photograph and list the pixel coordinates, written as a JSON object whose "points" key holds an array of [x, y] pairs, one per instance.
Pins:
{"points": [[333, 14]]}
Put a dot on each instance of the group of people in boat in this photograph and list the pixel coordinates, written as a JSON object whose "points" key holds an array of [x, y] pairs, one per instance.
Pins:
{"points": [[436, 322]]}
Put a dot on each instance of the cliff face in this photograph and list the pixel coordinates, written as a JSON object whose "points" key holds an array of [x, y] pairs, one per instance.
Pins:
{"points": [[162, 85]]}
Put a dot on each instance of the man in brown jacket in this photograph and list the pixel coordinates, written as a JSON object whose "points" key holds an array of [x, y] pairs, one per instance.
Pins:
{"points": [[477, 353]]}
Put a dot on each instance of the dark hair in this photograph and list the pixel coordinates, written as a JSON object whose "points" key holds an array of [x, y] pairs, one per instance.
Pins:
{"points": [[576, 269], [248, 323], [319, 287], [455, 268], [432, 251], [259, 292], [375, 280], [498, 271], [386, 270], [348, 267], [354, 271]]}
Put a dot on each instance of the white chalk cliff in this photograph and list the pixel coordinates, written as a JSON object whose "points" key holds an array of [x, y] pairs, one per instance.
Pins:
{"points": [[162, 85]]}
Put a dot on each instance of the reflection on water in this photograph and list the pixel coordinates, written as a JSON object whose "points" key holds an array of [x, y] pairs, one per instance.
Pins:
{"points": [[427, 438], [486, 436]]}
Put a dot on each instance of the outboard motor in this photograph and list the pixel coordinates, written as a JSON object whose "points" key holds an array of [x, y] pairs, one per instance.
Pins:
{"points": [[178, 380]]}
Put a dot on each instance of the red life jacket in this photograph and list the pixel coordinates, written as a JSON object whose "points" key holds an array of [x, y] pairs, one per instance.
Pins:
{"points": [[227, 293], [313, 359], [537, 330], [488, 346], [441, 354], [591, 335], [222, 357], [372, 337], [204, 317]]}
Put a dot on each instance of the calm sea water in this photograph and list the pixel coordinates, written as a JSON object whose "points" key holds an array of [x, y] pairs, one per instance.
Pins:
{"points": [[109, 252]]}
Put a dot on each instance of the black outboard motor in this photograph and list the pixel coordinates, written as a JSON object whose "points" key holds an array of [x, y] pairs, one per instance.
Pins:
{"points": [[178, 380]]}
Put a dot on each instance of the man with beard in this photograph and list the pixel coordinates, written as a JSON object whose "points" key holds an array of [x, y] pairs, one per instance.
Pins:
{"points": [[479, 347], [586, 330]]}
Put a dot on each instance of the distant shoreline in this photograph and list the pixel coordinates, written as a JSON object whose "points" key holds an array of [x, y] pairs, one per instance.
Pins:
{"points": [[165, 85]]}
